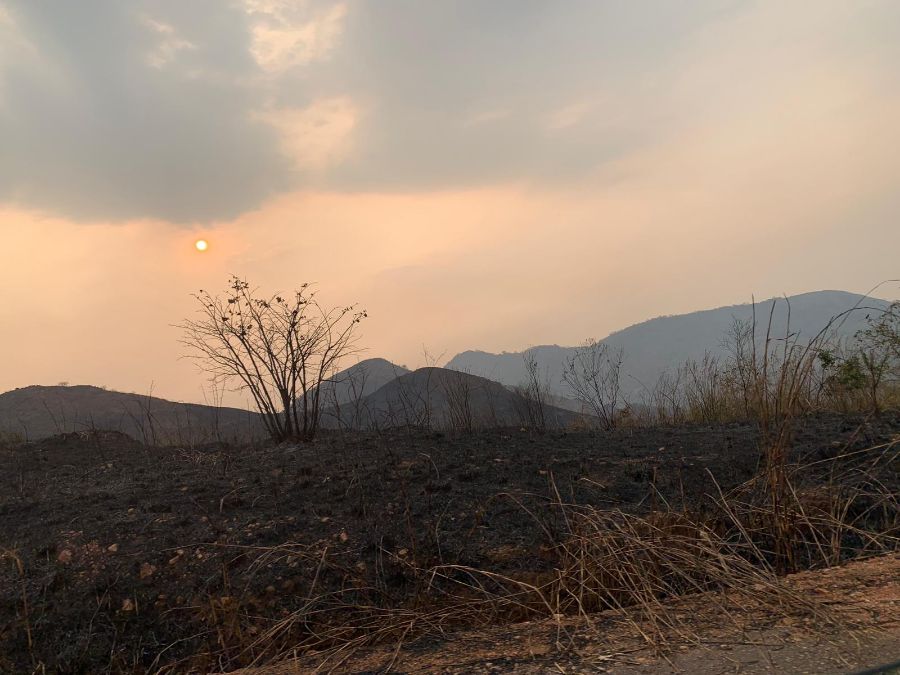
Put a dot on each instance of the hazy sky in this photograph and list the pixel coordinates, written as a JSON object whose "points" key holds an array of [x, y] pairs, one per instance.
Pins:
{"points": [[476, 174]]}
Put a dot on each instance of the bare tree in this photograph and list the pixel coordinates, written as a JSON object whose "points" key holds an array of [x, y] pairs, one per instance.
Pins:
{"points": [[593, 374], [458, 390], [347, 404], [278, 349], [738, 344], [533, 395]]}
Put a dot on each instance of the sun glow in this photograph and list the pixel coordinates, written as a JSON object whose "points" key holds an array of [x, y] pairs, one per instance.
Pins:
{"points": [[201, 245]]}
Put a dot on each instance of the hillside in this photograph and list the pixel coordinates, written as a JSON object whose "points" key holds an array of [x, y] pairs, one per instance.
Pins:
{"points": [[439, 398], [359, 380], [38, 412], [655, 346]]}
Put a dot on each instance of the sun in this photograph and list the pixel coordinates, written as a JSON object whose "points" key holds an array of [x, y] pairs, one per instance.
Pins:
{"points": [[201, 245]]}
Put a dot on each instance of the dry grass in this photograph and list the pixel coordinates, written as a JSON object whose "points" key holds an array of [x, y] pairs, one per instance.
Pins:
{"points": [[607, 560]]}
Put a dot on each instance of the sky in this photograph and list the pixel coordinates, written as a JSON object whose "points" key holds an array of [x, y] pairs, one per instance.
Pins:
{"points": [[476, 175]]}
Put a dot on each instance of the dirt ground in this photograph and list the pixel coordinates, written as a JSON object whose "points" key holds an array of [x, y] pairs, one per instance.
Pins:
{"points": [[125, 558]]}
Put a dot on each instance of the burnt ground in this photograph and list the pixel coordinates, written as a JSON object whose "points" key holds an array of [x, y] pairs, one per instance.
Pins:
{"points": [[125, 558]]}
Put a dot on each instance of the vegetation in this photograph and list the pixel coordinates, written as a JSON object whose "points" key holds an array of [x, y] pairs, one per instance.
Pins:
{"points": [[781, 456], [279, 349], [593, 375]]}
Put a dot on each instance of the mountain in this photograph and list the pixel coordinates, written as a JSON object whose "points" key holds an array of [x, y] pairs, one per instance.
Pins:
{"points": [[438, 398], [358, 381], [664, 343], [37, 412]]}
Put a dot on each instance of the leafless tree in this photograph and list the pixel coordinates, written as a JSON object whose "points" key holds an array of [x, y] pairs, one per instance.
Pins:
{"points": [[347, 403], [458, 392], [280, 349], [738, 344], [533, 395], [593, 374]]}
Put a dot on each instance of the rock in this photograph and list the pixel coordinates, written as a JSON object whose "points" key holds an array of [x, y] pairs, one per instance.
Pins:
{"points": [[64, 557], [147, 570], [113, 548], [127, 605]]}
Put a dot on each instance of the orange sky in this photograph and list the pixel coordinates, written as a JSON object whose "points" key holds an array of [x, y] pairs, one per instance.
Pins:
{"points": [[775, 169]]}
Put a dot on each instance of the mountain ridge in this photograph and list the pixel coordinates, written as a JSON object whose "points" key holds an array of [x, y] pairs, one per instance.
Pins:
{"points": [[662, 343]]}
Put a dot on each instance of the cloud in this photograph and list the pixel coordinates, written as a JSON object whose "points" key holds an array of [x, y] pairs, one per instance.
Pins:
{"points": [[202, 111], [317, 136], [290, 34], [568, 116], [132, 110], [166, 50], [487, 117]]}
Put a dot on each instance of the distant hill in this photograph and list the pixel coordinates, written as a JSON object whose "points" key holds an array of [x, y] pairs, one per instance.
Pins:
{"points": [[664, 343], [360, 380], [438, 398], [474, 390], [371, 394], [37, 412]]}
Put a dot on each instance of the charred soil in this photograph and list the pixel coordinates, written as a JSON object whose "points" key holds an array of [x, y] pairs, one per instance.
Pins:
{"points": [[124, 558]]}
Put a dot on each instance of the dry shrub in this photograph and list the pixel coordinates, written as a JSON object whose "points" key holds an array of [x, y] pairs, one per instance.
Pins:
{"points": [[833, 509], [829, 510], [609, 561]]}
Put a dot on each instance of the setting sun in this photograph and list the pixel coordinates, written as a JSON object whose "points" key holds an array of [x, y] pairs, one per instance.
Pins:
{"points": [[201, 245]]}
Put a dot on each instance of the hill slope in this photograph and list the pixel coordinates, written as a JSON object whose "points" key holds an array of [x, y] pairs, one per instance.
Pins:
{"points": [[360, 380], [664, 343], [37, 412], [438, 398]]}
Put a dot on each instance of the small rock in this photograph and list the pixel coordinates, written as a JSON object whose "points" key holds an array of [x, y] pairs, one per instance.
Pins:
{"points": [[65, 556], [113, 548], [127, 605], [147, 570]]}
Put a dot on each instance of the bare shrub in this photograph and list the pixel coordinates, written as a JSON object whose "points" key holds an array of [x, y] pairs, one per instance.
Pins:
{"points": [[350, 411], [534, 395], [279, 349], [458, 390], [593, 375]]}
